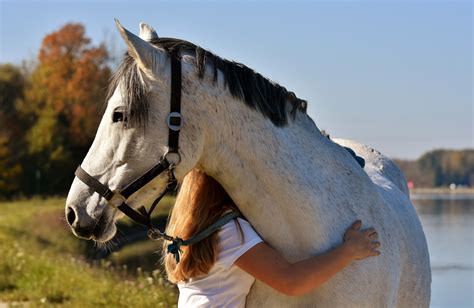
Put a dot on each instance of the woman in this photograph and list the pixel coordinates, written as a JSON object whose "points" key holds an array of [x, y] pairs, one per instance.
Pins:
{"points": [[219, 270]]}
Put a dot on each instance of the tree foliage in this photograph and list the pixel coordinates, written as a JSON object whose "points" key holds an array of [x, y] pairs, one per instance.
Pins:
{"points": [[67, 88], [12, 85], [449, 166], [62, 102], [440, 168]]}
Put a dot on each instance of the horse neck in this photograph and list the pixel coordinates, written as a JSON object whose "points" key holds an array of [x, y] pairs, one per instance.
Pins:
{"points": [[249, 151], [286, 173]]}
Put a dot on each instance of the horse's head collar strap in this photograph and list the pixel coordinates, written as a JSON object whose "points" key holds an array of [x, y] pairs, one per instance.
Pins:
{"points": [[118, 198]]}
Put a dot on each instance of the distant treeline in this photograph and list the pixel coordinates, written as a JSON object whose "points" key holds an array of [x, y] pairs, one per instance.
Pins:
{"points": [[49, 111], [440, 168]]}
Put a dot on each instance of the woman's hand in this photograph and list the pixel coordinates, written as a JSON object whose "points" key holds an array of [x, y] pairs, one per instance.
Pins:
{"points": [[361, 244]]}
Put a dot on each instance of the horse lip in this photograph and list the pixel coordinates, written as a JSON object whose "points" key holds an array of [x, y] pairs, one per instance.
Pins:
{"points": [[82, 236], [100, 227]]}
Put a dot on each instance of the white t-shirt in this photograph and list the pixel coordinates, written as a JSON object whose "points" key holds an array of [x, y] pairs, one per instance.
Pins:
{"points": [[226, 285]]}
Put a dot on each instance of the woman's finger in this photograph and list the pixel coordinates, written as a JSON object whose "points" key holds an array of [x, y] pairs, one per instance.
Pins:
{"points": [[375, 253], [369, 231], [356, 225], [374, 236], [375, 244]]}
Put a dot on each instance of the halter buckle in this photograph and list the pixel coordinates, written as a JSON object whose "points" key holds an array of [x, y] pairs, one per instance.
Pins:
{"points": [[117, 199], [153, 234], [174, 121], [169, 155]]}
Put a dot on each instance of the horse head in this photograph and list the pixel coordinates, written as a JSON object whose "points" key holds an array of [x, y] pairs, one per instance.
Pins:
{"points": [[132, 137]]}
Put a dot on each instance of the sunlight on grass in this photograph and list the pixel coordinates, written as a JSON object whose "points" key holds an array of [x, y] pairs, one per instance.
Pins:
{"points": [[43, 264]]}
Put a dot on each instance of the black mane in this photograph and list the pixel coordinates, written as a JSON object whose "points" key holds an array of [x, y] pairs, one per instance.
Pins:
{"points": [[243, 83]]}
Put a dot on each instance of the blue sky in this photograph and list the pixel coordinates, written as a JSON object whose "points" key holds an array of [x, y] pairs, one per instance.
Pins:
{"points": [[396, 75]]}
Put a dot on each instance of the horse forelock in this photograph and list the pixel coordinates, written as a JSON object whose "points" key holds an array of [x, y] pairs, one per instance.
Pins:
{"points": [[243, 83], [133, 89]]}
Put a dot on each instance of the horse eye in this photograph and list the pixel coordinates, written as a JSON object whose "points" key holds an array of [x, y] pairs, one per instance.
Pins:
{"points": [[117, 116]]}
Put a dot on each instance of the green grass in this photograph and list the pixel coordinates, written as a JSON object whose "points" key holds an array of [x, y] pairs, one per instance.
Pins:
{"points": [[43, 264]]}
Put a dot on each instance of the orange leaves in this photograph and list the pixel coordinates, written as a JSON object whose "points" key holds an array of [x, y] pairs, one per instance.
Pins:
{"points": [[69, 81], [49, 113], [68, 41]]}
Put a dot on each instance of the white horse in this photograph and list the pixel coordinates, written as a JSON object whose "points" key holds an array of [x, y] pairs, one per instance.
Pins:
{"points": [[298, 189]]}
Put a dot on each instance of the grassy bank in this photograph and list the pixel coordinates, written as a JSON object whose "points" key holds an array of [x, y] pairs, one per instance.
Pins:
{"points": [[43, 264]]}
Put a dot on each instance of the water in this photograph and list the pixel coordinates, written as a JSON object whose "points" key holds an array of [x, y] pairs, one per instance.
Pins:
{"points": [[448, 222]]}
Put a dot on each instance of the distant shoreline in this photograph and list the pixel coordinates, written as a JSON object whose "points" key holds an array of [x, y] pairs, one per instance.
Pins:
{"points": [[441, 191]]}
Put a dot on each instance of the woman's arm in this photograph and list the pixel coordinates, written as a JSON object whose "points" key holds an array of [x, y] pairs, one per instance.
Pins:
{"points": [[268, 266]]}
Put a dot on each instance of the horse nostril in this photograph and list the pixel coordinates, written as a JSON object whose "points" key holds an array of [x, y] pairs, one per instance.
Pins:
{"points": [[70, 215]]}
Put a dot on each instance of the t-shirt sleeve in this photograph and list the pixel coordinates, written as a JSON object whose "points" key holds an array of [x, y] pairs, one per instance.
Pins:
{"points": [[231, 244]]}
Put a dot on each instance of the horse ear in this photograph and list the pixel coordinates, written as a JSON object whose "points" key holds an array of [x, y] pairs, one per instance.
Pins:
{"points": [[143, 52], [147, 33]]}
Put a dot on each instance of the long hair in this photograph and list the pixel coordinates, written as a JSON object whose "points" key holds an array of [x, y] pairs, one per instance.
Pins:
{"points": [[201, 200]]}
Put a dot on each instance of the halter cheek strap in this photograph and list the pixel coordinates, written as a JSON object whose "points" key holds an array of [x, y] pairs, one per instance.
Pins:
{"points": [[174, 120]]}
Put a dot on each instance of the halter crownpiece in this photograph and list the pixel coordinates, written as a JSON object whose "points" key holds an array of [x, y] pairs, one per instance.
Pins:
{"points": [[118, 198]]}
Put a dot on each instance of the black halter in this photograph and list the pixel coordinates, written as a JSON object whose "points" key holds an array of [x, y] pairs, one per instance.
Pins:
{"points": [[118, 198]]}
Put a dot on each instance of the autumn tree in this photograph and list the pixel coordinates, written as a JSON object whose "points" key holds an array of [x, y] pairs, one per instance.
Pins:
{"points": [[12, 84], [440, 168], [449, 166], [66, 93]]}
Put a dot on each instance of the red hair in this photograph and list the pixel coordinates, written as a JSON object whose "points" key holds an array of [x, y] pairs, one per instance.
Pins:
{"points": [[201, 200]]}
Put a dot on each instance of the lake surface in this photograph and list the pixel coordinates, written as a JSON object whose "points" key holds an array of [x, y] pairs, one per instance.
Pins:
{"points": [[448, 222]]}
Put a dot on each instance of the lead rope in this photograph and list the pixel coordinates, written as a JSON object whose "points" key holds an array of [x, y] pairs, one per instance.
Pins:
{"points": [[176, 243]]}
